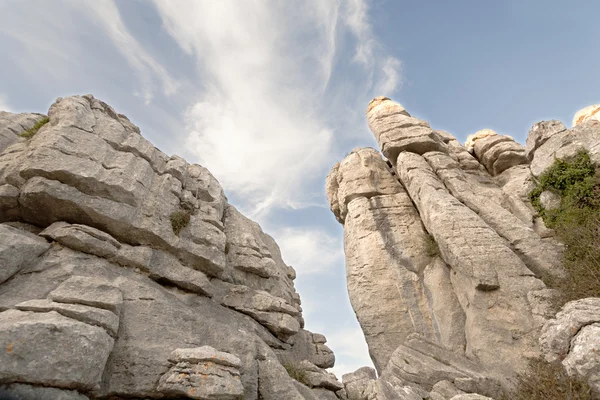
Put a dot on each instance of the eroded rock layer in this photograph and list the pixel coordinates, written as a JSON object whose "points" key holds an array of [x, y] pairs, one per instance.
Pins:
{"points": [[125, 273], [446, 257]]}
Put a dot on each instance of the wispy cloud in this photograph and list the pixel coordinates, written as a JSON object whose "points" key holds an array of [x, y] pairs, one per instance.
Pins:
{"points": [[265, 123], [60, 48], [106, 15], [310, 251]]}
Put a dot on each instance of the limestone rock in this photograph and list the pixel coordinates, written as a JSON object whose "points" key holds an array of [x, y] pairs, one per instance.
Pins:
{"points": [[309, 346], [82, 238], [164, 267], [268, 310], [28, 392], [572, 338], [482, 134], [89, 291], [356, 383], [9, 202], [91, 166], [12, 125], [17, 248], [587, 113], [386, 250], [33, 342], [89, 315], [445, 390], [470, 396], [203, 373], [549, 200], [102, 306], [275, 383], [498, 153], [584, 356], [396, 131], [425, 364], [557, 334], [316, 377], [566, 144], [539, 133]]}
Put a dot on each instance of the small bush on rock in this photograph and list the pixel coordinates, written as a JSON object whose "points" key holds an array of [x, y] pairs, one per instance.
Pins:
{"points": [[179, 220], [431, 246], [295, 373], [29, 133], [545, 381], [576, 222]]}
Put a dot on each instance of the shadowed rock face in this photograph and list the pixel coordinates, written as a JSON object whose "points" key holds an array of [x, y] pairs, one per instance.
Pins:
{"points": [[445, 255], [100, 298]]}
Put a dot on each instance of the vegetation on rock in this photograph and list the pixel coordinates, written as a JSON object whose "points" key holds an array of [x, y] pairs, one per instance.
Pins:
{"points": [[29, 133], [431, 246], [295, 373], [549, 381], [179, 220], [576, 222]]}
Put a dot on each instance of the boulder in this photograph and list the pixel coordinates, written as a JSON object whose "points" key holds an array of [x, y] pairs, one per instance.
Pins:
{"points": [[586, 114], [203, 373], [396, 131], [60, 351], [17, 249]]}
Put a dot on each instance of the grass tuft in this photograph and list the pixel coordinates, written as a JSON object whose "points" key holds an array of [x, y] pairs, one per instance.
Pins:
{"points": [[179, 220], [431, 247], [29, 133], [295, 373], [549, 381]]}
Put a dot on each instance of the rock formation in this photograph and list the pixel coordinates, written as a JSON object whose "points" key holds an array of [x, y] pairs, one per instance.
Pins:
{"points": [[106, 292], [445, 258]]}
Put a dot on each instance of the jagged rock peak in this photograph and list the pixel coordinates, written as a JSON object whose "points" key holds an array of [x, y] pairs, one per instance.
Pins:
{"points": [[445, 258], [471, 139], [587, 113], [126, 273], [396, 130]]}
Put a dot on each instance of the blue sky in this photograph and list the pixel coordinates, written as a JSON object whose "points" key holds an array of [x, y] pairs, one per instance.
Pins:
{"points": [[270, 94]]}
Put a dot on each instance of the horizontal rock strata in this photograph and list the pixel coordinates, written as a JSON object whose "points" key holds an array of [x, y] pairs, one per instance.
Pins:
{"points": [[102, 297]]}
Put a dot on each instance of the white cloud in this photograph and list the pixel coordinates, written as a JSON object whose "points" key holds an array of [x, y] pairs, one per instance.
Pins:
{"points": [[56, 43], [310, 250], [4, 103], [106, 15], [383, 70], [263, 123], [349, 345]]}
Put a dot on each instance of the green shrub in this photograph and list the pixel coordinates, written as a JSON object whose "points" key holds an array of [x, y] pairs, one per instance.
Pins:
{"points": [[295, 373], [431, 247], [546, 381], [179, 220], [29, 133], [576, 222]]}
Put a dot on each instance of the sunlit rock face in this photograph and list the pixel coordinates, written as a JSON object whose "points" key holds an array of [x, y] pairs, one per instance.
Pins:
{"points": [[396, 131], [587, 113], [445, 256], [482, 134], [101, 297]]}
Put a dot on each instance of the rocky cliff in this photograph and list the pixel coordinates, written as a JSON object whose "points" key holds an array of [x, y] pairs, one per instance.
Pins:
{"points": [[125, 273], [446, 258]]}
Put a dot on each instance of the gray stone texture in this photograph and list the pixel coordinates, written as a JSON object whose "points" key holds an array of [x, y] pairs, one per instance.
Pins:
{"points": [[99, 295]]}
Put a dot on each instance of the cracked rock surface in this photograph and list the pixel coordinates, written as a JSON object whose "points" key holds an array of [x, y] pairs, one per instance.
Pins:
{"points": [[100, 298]]}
